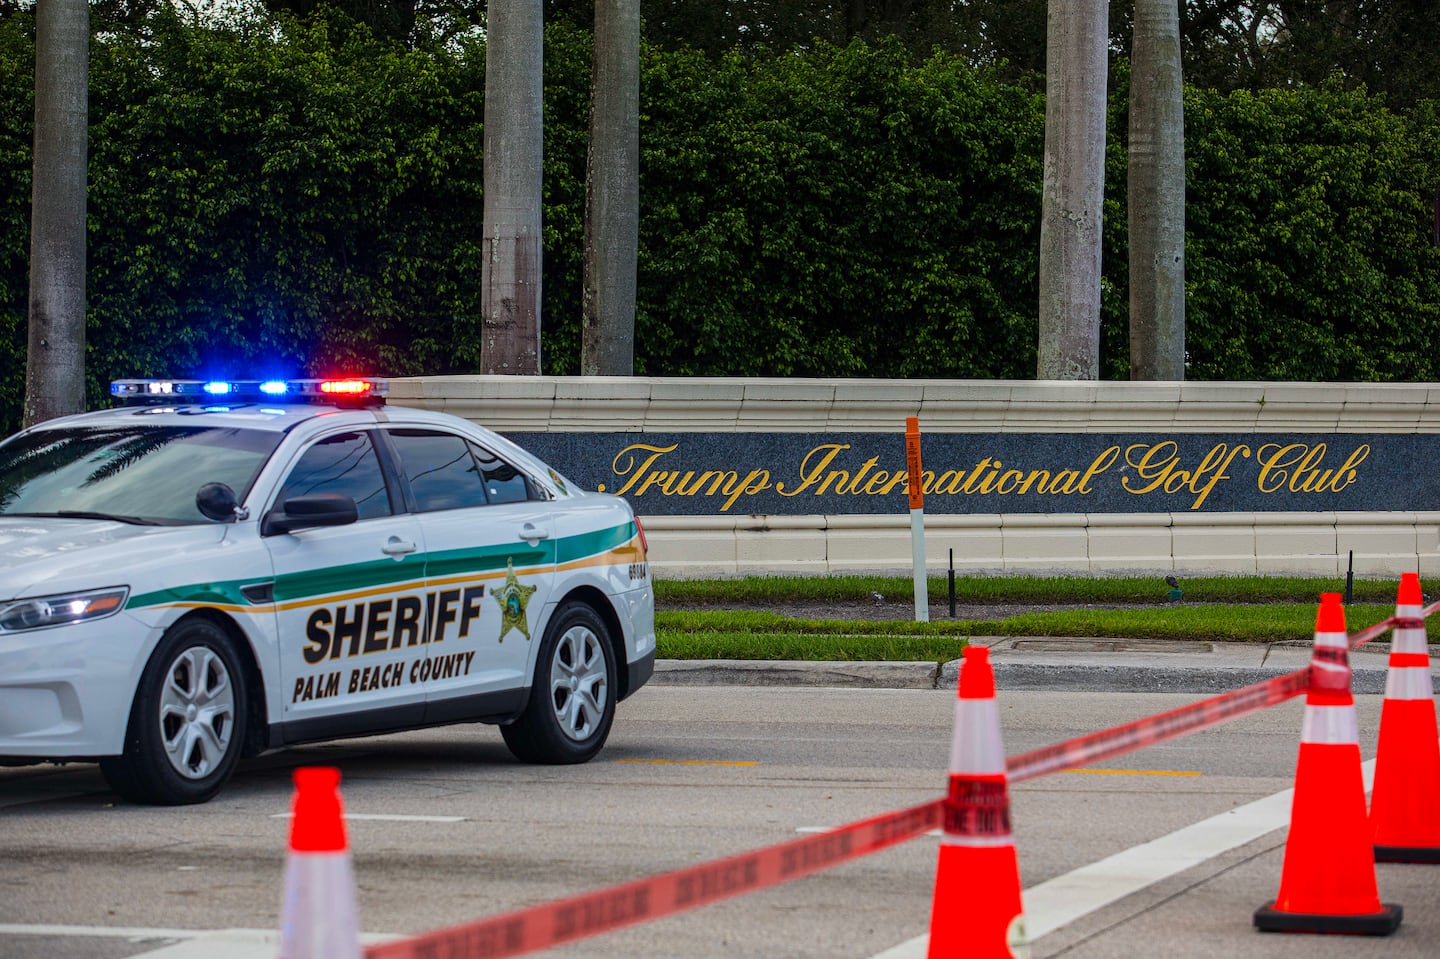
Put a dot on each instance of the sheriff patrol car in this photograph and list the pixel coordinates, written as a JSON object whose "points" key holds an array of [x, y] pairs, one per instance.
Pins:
{"points": [[222, 569]]}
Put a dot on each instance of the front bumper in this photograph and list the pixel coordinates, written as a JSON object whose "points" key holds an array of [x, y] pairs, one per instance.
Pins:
{"points": [[65, 692]]}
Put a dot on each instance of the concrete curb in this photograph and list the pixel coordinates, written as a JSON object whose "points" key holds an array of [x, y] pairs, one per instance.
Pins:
{"points": [[1049, 663], [1146, 679], [747, 672]]}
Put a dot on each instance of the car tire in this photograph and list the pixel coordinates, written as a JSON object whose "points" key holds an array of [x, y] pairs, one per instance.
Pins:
{"points": [[187, 722], [572, 702]]}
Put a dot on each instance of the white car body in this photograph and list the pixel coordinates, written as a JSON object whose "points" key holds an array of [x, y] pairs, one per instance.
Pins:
{"points": [[390, 622]]}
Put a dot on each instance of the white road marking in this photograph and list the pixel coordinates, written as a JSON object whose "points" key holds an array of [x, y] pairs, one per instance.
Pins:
{"points": [[192, 944], [1056, 902], [381, 817], [98, 932], [935, 833], [1048, 906]]}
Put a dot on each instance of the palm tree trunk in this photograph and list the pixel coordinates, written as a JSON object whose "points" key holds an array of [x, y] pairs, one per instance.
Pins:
{"points": [[1156, 191], [1072, 211], [612, 193], [55, 361], [514, 154]]}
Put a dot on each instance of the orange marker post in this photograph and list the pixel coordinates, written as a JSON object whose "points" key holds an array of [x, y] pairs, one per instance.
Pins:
{"points": [[917, 518]]}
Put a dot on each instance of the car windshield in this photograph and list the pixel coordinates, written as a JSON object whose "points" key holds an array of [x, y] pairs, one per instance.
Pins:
{"points": [[133, 473]]}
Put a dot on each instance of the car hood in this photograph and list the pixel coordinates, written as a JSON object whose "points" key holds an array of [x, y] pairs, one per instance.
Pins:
{"points": [[44, 554]]}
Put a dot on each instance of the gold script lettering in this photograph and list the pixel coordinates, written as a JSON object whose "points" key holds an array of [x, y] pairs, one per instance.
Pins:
{"points": [[634, 463], [1153, 463], [1347, 472], [755, 481], [630, 468], [1222, 455], [1098, 465], [1296, 466], [810, 474]]}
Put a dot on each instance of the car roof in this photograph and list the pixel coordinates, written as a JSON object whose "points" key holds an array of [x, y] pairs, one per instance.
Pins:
{"points": [[274, 417], [283, 417]]}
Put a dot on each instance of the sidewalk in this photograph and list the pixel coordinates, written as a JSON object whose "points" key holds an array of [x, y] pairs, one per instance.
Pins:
{"points": [[1036, 663]]}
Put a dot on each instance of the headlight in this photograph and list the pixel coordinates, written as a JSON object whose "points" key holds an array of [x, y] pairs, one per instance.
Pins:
{"points": [[40, 611]]}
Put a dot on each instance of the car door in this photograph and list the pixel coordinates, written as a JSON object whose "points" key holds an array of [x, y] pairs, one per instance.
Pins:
{"points": [[489, 567], [350, 599]]}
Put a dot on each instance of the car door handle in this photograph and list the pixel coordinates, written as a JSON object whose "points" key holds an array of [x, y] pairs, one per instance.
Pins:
{"points": [[532, 532], [396, 546]]}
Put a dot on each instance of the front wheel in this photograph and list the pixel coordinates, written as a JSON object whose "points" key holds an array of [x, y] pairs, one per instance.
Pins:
{"points": [[572, 702], [187, 722]]}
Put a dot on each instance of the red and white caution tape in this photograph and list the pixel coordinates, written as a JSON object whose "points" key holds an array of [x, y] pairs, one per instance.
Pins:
{"points": [[1156, 729], [1113, 742], [579, 917], [566, 920]]}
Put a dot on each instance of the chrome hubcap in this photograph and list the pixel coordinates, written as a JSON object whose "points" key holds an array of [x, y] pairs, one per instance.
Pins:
{"points": [[197, 712], [579, 682]]}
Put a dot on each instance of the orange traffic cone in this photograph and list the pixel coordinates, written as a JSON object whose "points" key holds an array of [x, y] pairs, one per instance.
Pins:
{"points": [[318, 918], [1328, 880], [976, 911], [1405, 799]]}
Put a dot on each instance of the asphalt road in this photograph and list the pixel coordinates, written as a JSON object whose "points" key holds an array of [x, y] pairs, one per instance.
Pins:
{"points": [[1124, 860]]}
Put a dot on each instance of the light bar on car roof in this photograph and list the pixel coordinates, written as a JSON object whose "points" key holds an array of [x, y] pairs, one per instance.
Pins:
{"points": [[355, 390]]}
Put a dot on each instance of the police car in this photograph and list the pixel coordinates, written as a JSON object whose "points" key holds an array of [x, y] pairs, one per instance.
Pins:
{"points": [[213, 570]]}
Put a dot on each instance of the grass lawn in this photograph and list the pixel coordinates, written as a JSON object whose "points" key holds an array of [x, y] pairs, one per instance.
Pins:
{"points": [[728, 619]]}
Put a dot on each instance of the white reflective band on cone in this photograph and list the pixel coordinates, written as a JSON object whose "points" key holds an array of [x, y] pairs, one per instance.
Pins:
{"points": [[1408, 639], [976, 748], [319, 913], [977, 842], [1330, 726], [1335, 670], [1409, 682]]}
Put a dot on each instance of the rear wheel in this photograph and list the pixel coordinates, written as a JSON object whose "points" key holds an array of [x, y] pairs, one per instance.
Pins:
{"points": [[572, 702], [187, 724]]}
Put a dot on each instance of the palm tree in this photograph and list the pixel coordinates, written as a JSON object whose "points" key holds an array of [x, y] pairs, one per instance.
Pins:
{"points": [[1074, 190], [612, 193], [1156, 190], [55, 361], [514, 151]]}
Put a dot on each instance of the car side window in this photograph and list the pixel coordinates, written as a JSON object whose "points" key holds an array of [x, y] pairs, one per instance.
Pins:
{"points": [[503, 482], [440, 469], [344, 463]]}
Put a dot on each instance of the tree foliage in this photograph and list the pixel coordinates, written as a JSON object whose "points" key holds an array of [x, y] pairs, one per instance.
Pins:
{"points": [[282, 201], [278, 196], [836, 214], [1310, 255], [1385, 45], [17, 115]]}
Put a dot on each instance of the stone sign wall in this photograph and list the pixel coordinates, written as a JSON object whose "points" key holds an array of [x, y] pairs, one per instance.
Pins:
{"points": [[752, 476]]}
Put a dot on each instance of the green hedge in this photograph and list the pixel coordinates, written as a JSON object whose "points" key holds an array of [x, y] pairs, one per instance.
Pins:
{"points": [[285, 197], [17, 115]]}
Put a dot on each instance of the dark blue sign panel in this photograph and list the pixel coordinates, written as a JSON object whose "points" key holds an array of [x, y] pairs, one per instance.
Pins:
{"points": [[809, 473]]}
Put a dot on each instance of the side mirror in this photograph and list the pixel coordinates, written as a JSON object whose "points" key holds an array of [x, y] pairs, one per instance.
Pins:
{"points": [[217, 501], [310, 510]]}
